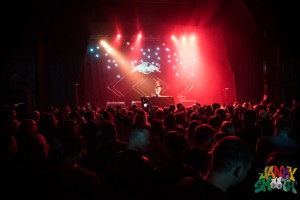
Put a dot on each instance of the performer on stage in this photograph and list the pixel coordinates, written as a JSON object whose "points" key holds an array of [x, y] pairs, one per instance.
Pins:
{"points": [[158, 89]]}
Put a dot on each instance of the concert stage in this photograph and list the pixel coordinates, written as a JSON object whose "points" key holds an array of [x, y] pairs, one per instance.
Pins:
{"points": [[163, 101]]}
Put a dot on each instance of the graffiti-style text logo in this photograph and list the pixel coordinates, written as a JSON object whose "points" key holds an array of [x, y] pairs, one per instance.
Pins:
{"points": [[275, 177]]}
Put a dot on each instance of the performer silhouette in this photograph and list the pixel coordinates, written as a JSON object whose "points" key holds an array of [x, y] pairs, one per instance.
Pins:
{"points": [[158, 89]]}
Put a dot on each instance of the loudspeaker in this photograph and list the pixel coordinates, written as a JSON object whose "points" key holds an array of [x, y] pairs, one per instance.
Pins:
{"points": [[115, 103], [21, 100], [138, 103]]}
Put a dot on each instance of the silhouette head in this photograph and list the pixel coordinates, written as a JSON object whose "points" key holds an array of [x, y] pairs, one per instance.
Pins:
{"points": [[231, 161]]}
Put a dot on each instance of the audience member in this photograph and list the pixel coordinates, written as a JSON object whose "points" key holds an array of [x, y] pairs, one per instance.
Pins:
{"points": [[130, 172], [68, 180], [198, 155], [231, 160], [166, 177], [280, 141]]}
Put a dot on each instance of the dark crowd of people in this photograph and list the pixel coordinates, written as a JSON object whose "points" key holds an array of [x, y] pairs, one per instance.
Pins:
{"points": [[215, 151]]}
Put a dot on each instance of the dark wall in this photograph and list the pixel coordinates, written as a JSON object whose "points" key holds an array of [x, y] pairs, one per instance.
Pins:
{"points": [[43, 49], [263, 34], [17, 40]]}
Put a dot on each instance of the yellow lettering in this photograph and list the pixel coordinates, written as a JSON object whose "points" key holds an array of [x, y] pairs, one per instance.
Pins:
{"points": [[292, 172], [270, 173], [263, 175]]}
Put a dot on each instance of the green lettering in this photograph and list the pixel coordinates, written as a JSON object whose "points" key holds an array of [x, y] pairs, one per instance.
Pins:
{"points": [[262, 185]]}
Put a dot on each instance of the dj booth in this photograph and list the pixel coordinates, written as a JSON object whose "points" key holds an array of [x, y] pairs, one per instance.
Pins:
{"points": [[163, 101]]}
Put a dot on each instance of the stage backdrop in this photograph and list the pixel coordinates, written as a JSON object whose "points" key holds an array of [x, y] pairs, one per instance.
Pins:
{"points": [[191, 69]]}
